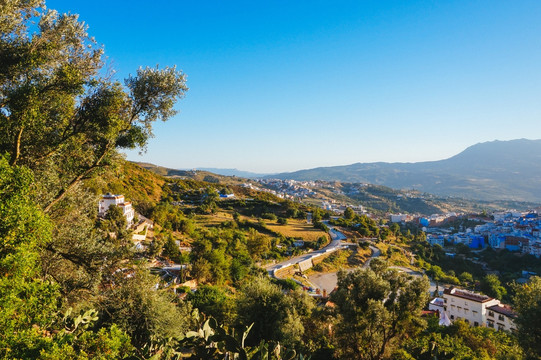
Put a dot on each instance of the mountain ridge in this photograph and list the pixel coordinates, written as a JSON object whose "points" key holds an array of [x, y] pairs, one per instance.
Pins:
{"points": [[495, 170]]}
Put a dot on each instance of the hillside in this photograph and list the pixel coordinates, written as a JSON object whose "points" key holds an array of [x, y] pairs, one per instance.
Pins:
{"points": [[497, 170], [378, 199], [198, 175]]}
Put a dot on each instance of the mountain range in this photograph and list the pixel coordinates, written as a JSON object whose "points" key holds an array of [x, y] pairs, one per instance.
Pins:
{"points": [[496, 170]]}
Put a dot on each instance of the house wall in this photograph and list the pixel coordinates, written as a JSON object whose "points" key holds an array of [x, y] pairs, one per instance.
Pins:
{"points": [[476, 312]]}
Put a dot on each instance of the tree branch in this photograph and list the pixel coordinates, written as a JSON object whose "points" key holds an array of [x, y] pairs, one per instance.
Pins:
{"points": [[62, 193], [17, 147]]}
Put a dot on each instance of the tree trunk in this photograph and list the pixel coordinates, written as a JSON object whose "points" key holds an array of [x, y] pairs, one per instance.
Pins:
{"points": [[17, 147]]}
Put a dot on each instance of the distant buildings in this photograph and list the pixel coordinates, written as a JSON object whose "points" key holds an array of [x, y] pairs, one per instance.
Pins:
{"points": [[398, 218], [510, 230], [117, 200]]}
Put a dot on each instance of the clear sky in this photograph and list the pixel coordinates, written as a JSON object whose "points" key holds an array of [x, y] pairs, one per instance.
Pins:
{"points": [[287, 85]]}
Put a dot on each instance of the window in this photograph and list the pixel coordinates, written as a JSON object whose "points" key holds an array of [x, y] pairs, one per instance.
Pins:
{"points": [[491, 313], [474, 312], [445, 308], [466, 311], [452, 317], [467, 321], [501, 326], [490, 324], [501, 318], [475, 324], [445, 300]]}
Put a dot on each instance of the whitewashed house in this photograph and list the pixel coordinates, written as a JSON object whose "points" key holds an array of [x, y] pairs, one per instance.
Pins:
{"points": [[116, 200], [477, 309]]}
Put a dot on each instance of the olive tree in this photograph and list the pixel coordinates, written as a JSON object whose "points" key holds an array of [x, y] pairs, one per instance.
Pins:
{"points": [[377, 309], [58, 114]]}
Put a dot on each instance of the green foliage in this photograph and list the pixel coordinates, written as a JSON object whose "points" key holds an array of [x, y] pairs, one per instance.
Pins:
{"points": [[337, 260], [394, 228], [510, 264], [276, 316], [58, 115], [269, 216], [378, 308], [220, 255], [105, 344], [440, 267], [172, 218], [466, 278], [257, 244], [214, 302], [365, 226], [460, 341], [349, 214], [213, 342], [27, 302], [286, 284], [492, 286], [527, 303], [146, 313], [115, 222]]}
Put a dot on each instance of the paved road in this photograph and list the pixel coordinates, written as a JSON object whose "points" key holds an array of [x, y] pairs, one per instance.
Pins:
{"points": [[336, 243], [328, 281], [416, 273], [375, 253]]}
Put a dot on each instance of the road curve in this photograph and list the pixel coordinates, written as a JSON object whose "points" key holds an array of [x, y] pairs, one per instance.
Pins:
{"points": [[328, 281], [335, 244]]}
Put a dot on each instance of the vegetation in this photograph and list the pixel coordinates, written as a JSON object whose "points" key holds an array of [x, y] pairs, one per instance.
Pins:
{"points": [[74, 285], [527, 302], [377, 309]]}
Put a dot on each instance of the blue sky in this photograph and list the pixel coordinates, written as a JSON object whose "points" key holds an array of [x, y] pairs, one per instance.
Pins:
{"points": [[287, 85]]}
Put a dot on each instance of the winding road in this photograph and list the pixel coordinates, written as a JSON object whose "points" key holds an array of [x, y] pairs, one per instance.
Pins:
{"points": [[328, 281], [336, 243]]}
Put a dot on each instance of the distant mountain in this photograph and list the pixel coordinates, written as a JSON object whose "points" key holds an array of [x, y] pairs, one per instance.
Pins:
{"points": [[163, 171], [234, 172], [190, 172], [496, 170], [196, 174]]}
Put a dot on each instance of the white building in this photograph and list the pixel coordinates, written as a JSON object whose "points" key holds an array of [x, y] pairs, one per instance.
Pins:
{"points": [[437, 304], [116, 200], [477, 309], [436, 239], [396, 218]]}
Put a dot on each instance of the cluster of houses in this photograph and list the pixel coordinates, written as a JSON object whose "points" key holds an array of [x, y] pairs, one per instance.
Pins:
{"points": [[475, 309], [339, 208], [288, 189], [469, 238], [511, 230]]}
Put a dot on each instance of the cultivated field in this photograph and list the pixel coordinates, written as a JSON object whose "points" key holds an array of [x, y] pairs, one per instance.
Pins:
{"points": [[297, 229]]}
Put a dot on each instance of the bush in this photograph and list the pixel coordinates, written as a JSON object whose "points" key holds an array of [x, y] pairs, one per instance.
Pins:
{"points": [[269, 216], [287, 284]]}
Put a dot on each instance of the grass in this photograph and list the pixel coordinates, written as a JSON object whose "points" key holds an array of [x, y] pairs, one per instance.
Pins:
{"points": [[342, 259], [297, 229], [396, 256], [213, 219]]}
